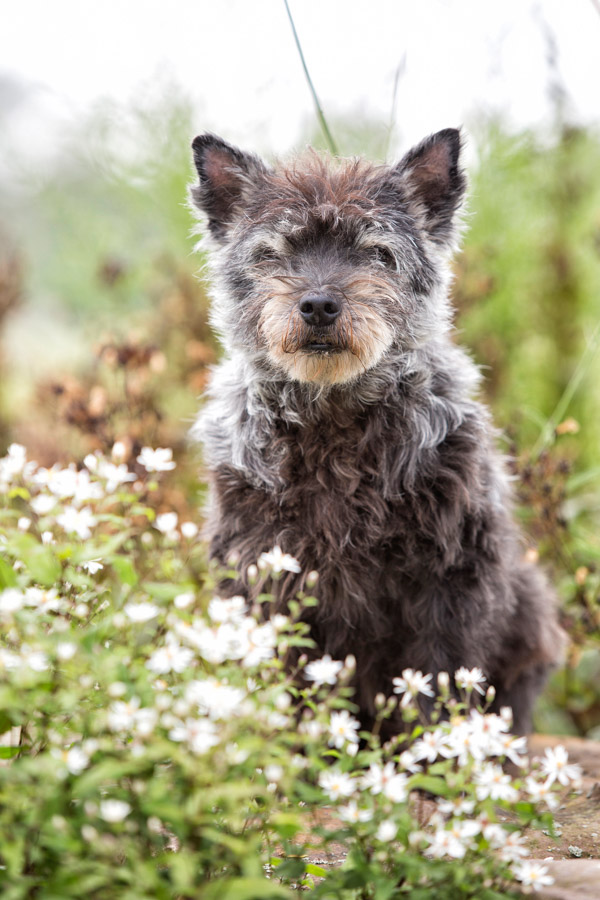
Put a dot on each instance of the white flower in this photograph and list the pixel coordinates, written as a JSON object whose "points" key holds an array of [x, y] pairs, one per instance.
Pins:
{"points": [[23, 523], [324, 670], [215, 699], [513, 849], [66, 650], [387, 831], [492, 782], [387, 781], [127, 716], [141, 612], [459, 806], [396, 788], [35, 659], [43, 504], [119, 451], [77, 521], [343, 728], [182, 601], [541, 791], [215, 645], [445, 843], [462, 743], [189, 530], [470, 679], [232, 609], [92, 566], [258, 641], [44, 600], [377, 777], [429, 745], [47, 537], [407, 761], [411, 684], [145, 721], [199, 734], [351, 813], [114, 475], [76, 760], [494, 833], [114, 810], [273, 773], [91, 461], [513, 748], [170, 658], [159, 460], [311, 727], [8, 659], [11, 600], [533, 874], [277, 561], [557, 767], [85, 489], [13, 463], [336, 784], [166, 523], [121, 714]]}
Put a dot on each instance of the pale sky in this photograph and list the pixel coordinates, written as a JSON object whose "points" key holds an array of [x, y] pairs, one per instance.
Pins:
{"points": [[237, 60]]}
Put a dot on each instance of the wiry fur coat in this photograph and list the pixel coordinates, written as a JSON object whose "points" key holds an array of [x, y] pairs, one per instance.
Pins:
{"points": [[359, 445]]}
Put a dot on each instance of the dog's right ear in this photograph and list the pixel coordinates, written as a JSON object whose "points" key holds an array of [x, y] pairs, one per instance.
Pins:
{"points": [[226, 176]]}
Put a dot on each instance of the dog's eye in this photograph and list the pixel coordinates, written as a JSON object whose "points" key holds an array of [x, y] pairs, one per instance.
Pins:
{"points": [[383, 256]]}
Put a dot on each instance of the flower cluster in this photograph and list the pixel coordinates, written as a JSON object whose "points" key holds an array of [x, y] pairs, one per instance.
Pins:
{"points": [[155, 707]]}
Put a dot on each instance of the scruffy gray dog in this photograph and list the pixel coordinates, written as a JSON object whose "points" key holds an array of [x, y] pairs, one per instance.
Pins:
{"points": [[342, 425]]}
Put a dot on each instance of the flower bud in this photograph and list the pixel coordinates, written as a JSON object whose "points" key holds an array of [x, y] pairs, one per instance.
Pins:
{"points": [[311, 579], [443, 681], [350, 662], [380, 700], [490, 694], [252, 573]]}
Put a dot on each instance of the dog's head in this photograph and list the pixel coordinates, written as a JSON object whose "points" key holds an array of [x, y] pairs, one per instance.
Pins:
{"points": [[322, 266]]}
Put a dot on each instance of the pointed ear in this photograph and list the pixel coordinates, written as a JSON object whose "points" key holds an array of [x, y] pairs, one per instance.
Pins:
{"points": [[434, 182], [226, 175]]}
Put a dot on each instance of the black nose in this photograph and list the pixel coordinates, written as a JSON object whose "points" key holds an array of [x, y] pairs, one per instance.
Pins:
{"points": [[319, 309]]}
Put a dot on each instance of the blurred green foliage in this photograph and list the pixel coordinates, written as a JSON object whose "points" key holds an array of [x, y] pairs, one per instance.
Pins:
{"points": [[104, 237]]}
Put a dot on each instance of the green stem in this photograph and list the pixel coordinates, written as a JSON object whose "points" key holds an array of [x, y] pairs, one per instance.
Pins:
{"points": [[320, 115]]}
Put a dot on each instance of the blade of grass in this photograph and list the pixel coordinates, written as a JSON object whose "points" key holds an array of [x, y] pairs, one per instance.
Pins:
{"points": [[319, 110], [547, 434]]}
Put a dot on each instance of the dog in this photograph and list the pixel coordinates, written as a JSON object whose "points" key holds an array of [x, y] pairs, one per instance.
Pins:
{"points": [[343, 423]]}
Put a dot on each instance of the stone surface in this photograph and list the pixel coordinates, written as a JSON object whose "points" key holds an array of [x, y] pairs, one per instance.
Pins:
{"points": [[574, 879]]}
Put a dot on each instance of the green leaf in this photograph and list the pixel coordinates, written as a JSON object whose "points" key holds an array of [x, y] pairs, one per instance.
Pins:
{"points": [[245, 889], [318, 871], [161, 591], [385, 888], [8, 752], [286, 825], [43, 566], [125, 569], [8, 576], [431, 783]]}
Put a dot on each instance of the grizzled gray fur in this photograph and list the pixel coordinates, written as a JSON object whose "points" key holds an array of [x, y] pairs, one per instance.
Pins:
{"points": [[343, 424]]}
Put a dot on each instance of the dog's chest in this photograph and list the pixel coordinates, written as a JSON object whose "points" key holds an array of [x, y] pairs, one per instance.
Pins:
{"points": [[331, 482]]}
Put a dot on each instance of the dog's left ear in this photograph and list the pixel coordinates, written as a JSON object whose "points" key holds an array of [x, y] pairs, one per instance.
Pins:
{"points": [[226, 176], [434, 183]]}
